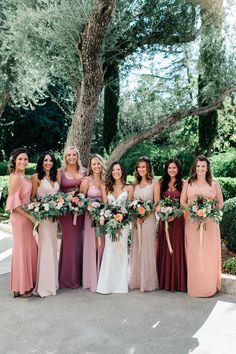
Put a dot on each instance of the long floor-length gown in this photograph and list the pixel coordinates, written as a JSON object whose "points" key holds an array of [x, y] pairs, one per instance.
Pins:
{"points": [[142, 268], [24, 254], [171, 268], [93, 250], [203, 258], [47, 269], [113, 276], [71, 253]]}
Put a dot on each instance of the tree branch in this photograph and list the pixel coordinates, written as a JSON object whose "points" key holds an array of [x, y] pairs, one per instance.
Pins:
{"points": [[165, 123]]}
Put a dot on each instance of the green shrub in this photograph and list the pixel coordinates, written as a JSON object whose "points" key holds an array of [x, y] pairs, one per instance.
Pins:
{"points": [[224, 165], [4, 165], [228, 186], [228, 224], [229, 266]]}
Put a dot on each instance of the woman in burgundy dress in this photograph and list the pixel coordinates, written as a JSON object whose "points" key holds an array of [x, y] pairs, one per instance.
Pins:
{"points": [[171, 267], [71, 253]]}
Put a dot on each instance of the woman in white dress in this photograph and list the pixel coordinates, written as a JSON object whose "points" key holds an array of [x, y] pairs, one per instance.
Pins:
{"points": [[44, 183], [113, 276]]}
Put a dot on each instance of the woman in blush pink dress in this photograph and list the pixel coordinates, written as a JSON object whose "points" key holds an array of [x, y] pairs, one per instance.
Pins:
{"points": [[24, 255], [93, 247], [45, 183], [143, 272], [171, 260], [71, 252], [203, 258]]}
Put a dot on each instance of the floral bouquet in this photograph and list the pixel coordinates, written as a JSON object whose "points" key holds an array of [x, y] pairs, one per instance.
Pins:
{"points": [[77, 203], [138, 210], [169, 207], [96, 212], [115, 217], [203, 208]]}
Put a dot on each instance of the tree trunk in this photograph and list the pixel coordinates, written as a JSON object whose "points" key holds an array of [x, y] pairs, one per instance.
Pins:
{"points": [[166, 123], [90, 48], [111, 105]]}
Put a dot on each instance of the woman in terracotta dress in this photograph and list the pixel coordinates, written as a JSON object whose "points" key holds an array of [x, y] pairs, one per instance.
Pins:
{"points": [[71, 252], [143, 272], [24, 255], [45, 183], [203, 258], [93, 247], [171, 259]]}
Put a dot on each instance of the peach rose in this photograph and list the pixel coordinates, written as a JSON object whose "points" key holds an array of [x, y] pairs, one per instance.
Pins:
{"points": [[75, 200], [158, 208], [201, 213], [89, 207], [141, 210], [61, 200], [118, 217]]}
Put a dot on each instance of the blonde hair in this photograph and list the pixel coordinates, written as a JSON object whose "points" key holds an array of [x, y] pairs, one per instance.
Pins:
{"points": [[78, 163], [102, 163]]}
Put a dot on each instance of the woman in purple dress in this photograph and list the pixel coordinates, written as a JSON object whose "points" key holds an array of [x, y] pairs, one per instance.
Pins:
{"points": [[171, 266], [71, 253], [93, 246]]}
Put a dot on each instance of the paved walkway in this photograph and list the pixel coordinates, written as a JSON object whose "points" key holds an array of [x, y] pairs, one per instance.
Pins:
{"points": [[78, 321]]}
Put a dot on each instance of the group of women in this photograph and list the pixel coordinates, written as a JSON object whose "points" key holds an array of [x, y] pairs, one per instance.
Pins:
{"points": [[97, 263]]}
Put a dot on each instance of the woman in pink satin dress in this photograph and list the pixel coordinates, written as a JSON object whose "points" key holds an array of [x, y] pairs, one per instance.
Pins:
{"points": [[203, 258], [45, 183], [93, 247], [24, 254]]}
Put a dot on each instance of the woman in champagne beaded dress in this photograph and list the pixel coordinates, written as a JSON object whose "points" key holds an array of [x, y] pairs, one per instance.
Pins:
{"points": [[171, 259], [45, 183], [24, 254], [203, 258], [113, 276], [93, 246], [143, 272], [71, 252]]}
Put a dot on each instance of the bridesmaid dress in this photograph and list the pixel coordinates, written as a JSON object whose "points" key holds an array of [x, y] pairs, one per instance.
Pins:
{"points": [[142, 271], [91, 255], [171, 268], [24, 254], [113, 276], [203, 259], [71, 253], [47, 270]]}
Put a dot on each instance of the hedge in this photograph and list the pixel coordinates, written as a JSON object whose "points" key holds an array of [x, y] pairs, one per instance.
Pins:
{"points": [[4, 165], [228, 224]]}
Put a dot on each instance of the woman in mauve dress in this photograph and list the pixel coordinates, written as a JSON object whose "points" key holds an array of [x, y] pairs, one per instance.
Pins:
{"points": [[93, 246], [143, 272], [171, 260], [24, 254], [203, 254], [71, 253], [45, 183]]}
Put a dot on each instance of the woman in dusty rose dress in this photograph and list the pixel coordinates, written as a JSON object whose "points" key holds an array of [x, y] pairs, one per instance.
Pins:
{"points": [[93, 247], [24, 255], [171, 259], [71, 252], [44, 183], [203, 258], [143, 272]]}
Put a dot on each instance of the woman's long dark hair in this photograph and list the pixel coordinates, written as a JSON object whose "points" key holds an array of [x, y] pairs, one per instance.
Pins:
{"points": [[40, 170], [166, 177], [13, 157], [193, 173], [110, 181], [150, 173]]}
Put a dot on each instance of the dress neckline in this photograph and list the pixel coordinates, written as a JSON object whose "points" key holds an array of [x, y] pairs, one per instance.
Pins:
{"points": [[53, 186], [148, 184], [118, 196]]}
